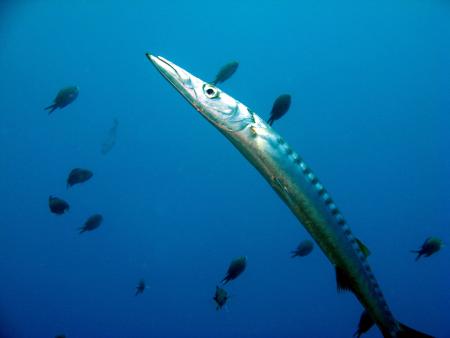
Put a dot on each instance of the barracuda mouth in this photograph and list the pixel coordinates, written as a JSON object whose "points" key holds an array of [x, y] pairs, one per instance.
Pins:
{"points": [[178, 77], [164, 67]]}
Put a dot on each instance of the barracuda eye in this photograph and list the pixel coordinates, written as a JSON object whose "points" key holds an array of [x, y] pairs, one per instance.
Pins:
{"points": [[210, 91]]}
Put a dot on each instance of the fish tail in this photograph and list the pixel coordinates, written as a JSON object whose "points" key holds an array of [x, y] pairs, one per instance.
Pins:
{"points": [[357, 334], [293, 254], [407, 332], [270, 121], [82, 229], [51, 108], [419, 254]]}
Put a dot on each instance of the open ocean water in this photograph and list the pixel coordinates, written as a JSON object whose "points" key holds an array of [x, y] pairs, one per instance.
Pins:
{"points": [[370, 113]]}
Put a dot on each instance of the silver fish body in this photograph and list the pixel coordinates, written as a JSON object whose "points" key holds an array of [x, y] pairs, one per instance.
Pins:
{"points": [[293, 181]]}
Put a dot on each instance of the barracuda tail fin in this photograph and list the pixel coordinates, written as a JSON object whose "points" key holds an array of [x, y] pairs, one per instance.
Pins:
{"points": [[407, 332]]}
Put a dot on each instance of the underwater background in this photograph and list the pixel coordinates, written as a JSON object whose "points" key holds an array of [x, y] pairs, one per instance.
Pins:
{"points": [[370, 86]]}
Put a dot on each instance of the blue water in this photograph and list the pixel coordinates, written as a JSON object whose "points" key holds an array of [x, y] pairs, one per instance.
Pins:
{"points": [[370, 82]]}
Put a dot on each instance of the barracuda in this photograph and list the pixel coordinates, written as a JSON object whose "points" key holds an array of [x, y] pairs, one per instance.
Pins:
{"points": [[297, 186]]}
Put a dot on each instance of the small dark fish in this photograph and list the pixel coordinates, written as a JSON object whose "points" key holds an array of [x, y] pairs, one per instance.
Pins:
{"points": [[140, 287], [237, 266], [429, 247], [77, 176], [92, 223], [60, 336], [303, 249], [279, 108], [57, 205], [64, 97], [110, 140], [365, 323], [220, 297], [226, 72]]}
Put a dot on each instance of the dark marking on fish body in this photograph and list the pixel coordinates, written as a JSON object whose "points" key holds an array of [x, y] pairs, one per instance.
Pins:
{"points": [[340, 219], [367, 267], [303, 167], [361, 255], [376, 290], [319, 187], [322, 192], [327, 198], [334, 210]]}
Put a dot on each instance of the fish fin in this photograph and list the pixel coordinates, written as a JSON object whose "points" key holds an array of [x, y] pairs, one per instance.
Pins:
{"points": [[214, 83], [344, 282], [270, 121], [407, 332], [51, 108], [293, 254], [82, 229], [363, 248], [365, 324]]}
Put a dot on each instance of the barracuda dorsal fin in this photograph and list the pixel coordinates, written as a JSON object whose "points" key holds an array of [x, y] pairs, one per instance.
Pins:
{"points": [[363, 248], [343, 280]]}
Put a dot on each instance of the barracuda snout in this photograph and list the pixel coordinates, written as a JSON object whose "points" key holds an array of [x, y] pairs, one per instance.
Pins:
{"points": [[216, 106]]}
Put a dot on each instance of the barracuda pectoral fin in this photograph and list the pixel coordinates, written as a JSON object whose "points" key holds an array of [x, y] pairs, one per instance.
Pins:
{"points": [[365, 250], [343, 280]]}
